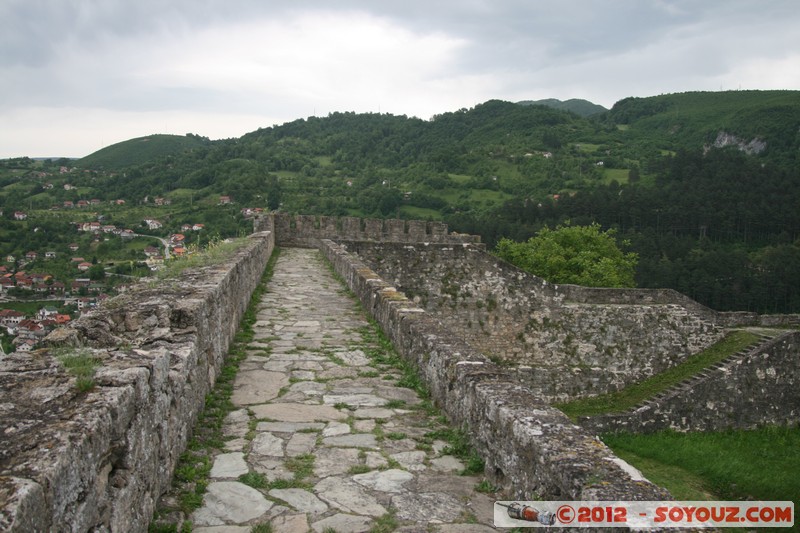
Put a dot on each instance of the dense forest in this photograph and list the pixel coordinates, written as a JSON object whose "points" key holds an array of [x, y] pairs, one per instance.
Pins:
{"points": [[704, 186]]}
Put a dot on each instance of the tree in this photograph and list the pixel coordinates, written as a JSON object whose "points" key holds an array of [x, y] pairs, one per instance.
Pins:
{"points": [[583, 255], [97, 272]]}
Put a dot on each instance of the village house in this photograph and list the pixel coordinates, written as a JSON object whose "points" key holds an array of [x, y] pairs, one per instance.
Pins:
{"points": [[151, 251], [46, 312], [10, 319], [198, 227], [6, 282], [40, 277], [24, 345], [74, 247], [30, 329], [83, 267], [50, 255], [85, 304], [31, 256], [153, 224], [83, 203], [20, 215], [69, 204], [224, 200], [57, 287], [127, 234]]}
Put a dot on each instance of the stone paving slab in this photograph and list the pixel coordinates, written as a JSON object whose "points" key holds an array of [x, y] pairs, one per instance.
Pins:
{"points": [[332, 443]]}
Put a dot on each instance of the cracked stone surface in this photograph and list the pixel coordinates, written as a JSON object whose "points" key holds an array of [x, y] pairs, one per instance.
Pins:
{"points": [[336, 442]]}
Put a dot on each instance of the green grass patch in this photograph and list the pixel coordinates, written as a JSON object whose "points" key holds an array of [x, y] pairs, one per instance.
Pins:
{"points": [[82, 366], [420, 213], [359, 469], [385, 524], [758, 464], [620, 175], [302, 466], [214, 253], [587, 147], [458, 446], [681, 483], [635, 394]]}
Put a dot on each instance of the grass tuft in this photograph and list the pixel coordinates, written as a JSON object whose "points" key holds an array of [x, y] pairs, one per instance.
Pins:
{"points": [[81, 365]]}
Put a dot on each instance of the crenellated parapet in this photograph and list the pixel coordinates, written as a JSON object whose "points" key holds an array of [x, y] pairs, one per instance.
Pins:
{"points": [[308, 230]]}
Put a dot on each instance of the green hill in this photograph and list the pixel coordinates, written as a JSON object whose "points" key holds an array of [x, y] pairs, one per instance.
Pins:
{"points": [[141, 150], [578, 106], [690, 120], [668, 172]]}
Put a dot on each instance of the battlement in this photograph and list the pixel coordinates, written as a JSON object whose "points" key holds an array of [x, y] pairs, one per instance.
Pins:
{"points": [[308, 231]]}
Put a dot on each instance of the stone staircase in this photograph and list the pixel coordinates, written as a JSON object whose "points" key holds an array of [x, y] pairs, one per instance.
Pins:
{"points": [[658, 405], [710, 372]]}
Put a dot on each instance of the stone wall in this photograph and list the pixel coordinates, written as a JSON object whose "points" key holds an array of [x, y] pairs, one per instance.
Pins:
{"points": [[760, 388], [530, 449], [99, 460], [306, 231], [562, 341]]}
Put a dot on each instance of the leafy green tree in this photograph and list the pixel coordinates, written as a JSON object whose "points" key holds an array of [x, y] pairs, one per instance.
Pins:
{"points": [[582, 255], [97, 272]]}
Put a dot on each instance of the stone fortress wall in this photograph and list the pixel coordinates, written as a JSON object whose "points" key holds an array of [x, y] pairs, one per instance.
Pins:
{"points": [[308, 230], [99, 461], [564, 341]]}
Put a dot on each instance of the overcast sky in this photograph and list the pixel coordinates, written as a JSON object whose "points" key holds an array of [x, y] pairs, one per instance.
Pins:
{"points": [[78, 75]]}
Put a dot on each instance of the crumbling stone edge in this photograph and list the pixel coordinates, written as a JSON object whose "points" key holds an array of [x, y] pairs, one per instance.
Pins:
{"points": [[530, 449], [99, 461]]}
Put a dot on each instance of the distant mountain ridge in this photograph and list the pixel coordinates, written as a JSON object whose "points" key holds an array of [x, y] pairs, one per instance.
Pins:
{"points": [[584, 108]]}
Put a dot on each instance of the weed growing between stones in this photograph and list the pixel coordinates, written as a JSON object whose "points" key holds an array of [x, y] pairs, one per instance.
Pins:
{"points": [[302, 466], [384, 524], [359, 469], [194, 465], [458, 446], [486, 487], [80, 364], [215, 252]]}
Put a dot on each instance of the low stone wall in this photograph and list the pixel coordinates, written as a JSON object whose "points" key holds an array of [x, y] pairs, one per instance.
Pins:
{"points": [[99, 460], [306, 231], [760, 388], [530, 449]]}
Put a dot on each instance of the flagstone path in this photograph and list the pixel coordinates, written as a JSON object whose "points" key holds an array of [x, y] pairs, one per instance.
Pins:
{"points": [[323, 439]]}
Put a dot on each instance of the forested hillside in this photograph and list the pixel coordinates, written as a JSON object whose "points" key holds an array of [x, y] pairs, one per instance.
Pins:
{"points": [[705, 186]]}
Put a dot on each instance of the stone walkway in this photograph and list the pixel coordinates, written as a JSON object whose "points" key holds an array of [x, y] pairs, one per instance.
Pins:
{"points": [[323, 439]]}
